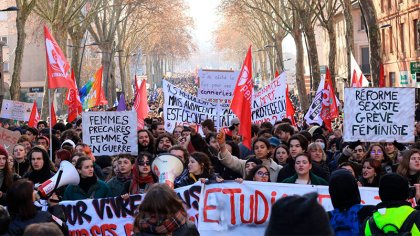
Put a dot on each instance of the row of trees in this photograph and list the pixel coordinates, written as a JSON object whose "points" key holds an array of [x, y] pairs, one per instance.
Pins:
{"points": [[266, 23], [124, 30]]}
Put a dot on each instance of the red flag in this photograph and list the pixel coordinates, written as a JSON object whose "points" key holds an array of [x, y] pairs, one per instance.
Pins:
{"points": [[73, 102], [34, 117], [53, 115], [381, 76], [241, 102], [140, 104], [360, 85], [354, 81], [58, 69], [290, 110], [329, 109], [276, 74]]}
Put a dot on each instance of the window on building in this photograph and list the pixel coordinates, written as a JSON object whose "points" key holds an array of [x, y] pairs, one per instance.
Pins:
{"points": [[4, 39], [391, 79], [362, 22], [6, 66], [416, 34], [391, 47], [402, 43], [383, 41], [365, 60]]}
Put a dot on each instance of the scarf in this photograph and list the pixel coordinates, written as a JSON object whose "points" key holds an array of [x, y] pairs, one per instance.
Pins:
{"points": [[123, 178], [39, 176], [161, 225], [138, 183], [86, 183]]}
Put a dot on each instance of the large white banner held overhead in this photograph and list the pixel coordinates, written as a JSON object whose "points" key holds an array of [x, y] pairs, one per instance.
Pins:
{"points": [[379, 114]]}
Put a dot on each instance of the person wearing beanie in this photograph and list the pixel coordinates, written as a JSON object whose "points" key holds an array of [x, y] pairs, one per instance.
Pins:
{"points": [[298, 215], [348, 215], [40, 165], [394, 214]]}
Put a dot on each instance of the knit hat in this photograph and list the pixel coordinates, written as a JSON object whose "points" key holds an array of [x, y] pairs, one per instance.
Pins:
{"points": [[3, 151], [255, 160], [393, 187], [343, 189], [298, 215]]}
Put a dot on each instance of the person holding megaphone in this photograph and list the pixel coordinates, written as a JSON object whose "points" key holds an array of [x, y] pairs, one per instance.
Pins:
{"points": [[89, 187]]}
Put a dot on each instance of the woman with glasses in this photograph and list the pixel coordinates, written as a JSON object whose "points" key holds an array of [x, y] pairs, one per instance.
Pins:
{"points": [[143, 177], [371, 173], [259, 173], [304, 175], [377, 151], [410, 166]]}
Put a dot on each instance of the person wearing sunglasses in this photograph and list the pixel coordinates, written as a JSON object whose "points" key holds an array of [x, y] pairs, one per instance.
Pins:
{"points": [[377, 152], [143, 177]]}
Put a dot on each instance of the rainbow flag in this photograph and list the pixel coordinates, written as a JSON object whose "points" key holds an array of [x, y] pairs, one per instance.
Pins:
{"points": [[91, 94]]}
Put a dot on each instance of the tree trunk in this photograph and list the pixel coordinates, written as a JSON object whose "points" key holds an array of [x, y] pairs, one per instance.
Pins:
{"points": [[17, 67], [333, 52], [107, 55], [313, 53], [300, 71], [349, 36], [368, 8], [123, 75], [279, 56], [76, 41], [128, 82]]}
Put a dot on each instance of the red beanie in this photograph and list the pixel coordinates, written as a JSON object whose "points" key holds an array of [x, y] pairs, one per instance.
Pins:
{"points": [[3, 151]]}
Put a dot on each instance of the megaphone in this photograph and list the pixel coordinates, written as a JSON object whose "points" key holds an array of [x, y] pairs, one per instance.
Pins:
{"points": [[66, 174], [167, 167]]}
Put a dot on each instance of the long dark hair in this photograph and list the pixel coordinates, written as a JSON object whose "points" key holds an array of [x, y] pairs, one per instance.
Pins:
{"points": [[254, 171], [8, 175], [20, 199], [404, 166], [205, 163]]}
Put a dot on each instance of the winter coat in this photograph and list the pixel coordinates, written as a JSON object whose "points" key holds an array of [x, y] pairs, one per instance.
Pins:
{"points": [[238, 165], [116, 186], [315, 180], [187, 229], [99, 190]]}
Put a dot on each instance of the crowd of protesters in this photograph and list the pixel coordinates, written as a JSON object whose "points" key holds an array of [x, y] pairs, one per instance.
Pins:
{"points": [[306, 154]]}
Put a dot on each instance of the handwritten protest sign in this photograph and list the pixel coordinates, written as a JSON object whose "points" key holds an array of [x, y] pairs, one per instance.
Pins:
{"points": [[182, 108], [379, 114], [244, 209], [223, 208], [217, 84], [110, 133], [16, 110], [115, 216], [8, 139]]}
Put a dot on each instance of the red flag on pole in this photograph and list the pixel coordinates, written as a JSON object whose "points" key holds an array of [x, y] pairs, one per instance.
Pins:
{"points": [[34, 117], [140, 104], [360, 85], [58, 69], [53, 115], [354, 80], [73, 102], [241, 102], [276, 74], [381, 76], [329, 109], [290, 110]]}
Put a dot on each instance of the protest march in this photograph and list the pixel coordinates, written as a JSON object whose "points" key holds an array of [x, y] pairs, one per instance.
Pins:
{"points": [[213, 151]]}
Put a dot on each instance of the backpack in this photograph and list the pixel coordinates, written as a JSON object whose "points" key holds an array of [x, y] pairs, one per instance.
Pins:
{"points": [[405, 230], [346, 222]]}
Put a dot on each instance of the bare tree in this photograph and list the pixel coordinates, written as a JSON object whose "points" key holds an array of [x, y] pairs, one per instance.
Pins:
{"points": [[349, 35], [25, 9]]}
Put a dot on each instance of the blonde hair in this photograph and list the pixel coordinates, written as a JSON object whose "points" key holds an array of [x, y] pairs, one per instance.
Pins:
{"points": [[316, 147]]}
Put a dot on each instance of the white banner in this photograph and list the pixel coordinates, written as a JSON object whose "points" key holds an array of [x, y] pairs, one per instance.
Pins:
{"points": [[181, 108], [244, 209], [16, 110], [110, 133], [379, 114], [216, 84], [313, 115], [115, 216]]}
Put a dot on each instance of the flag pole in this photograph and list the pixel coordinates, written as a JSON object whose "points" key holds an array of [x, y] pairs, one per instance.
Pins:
{"points": [[49, 108]]}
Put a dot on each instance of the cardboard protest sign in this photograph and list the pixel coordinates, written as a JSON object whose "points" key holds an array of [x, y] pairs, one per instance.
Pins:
{"points": [[269, 103], [217, 84], [379, 114], [115, 216], [110, 133], [244, 209], [182, 108], [16, 110], [8, 139]]}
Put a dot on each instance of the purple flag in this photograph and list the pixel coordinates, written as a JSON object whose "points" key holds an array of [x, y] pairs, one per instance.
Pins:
{"points": [[121, 103]]}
